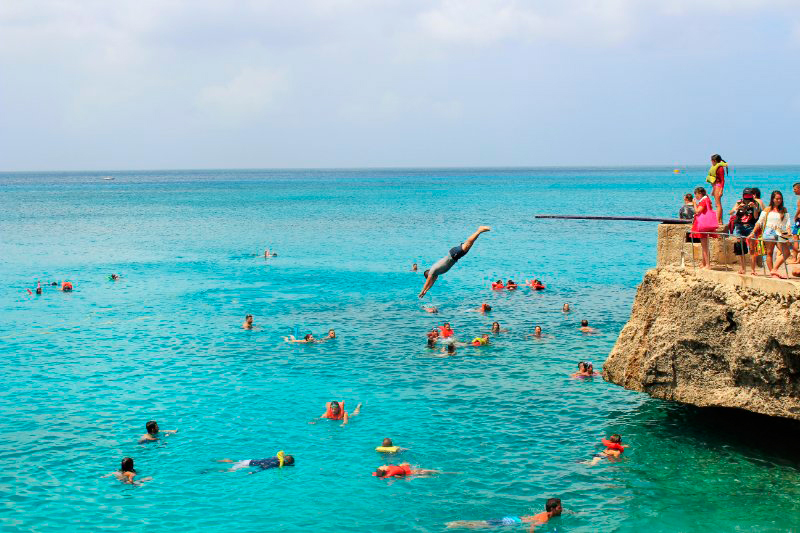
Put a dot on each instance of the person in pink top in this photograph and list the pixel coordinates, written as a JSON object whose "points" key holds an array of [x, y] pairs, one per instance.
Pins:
{"points": [[705, 221]]}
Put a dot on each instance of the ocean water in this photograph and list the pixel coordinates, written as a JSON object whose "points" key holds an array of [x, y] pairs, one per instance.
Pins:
{"points": [[83, 372]]}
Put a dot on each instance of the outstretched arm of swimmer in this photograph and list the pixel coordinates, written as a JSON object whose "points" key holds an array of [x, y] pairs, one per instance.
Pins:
{"points": [[428, 284]]}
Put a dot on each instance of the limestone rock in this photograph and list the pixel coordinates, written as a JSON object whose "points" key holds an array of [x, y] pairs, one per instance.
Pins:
{"points": [[712, 339]]}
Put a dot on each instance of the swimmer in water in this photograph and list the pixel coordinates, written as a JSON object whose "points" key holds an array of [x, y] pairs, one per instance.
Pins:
{"points": [[335, 411], [331, 335], [484, 308], [114, 277], [66, 286], [430, 309], [402, 470], [446, 263], [552, 509], [511, 285], [431, 342], [585, 327], [279, 461], [387, 446], [38, 287], [127, 473], [565, 309], [585, 370], [433, 334], [414, 267], [483, 340], [537, 333], [446, 331], [309, 338], [449, 349], [497, 329], [153, 432], [614, 449], [248, 322]]}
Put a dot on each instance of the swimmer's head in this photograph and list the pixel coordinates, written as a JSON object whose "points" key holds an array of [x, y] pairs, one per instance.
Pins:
{"points": [[510, 282], [152, 427], [615, 438], [54, 284], [584, 323], [127, 465], [553, 506], [486, 307], [335, 407], [581, 366], [387, 443], [500, 281], [331, 334], [495, 326], [380, 472], [688, 197], [288, 460], [426, 274], [414, 266], [309, 337], [565, 308], [589, 366], [446, 325], [248, 319], [451, 348]]}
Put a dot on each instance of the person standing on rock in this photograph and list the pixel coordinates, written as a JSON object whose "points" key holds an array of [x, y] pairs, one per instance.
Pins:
{"points": [[705, 222]]}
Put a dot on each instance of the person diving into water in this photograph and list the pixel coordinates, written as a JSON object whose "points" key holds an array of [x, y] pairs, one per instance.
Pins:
{"points": [[446, 263]]}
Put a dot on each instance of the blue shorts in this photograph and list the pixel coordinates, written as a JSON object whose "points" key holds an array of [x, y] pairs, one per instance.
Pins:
{"points": [[770, 235], [742, 230], [505, 521], [796, 227]]}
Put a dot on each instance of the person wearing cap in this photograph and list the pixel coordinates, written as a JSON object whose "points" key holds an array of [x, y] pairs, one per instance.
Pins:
{"points": [[745, 213]]}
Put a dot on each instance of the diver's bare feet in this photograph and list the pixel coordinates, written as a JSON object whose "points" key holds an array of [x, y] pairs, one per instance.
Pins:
{"points": [[484, 228]]}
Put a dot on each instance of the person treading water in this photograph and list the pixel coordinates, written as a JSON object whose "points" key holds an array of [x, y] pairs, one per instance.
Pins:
{"points": [[446, 263]]}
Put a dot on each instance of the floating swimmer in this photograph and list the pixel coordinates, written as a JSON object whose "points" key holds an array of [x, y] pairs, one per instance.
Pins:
{"points": [[248, 322], [331, 335], [536, 285], [389, 447], [66, 286], [498, 285], [414, 267], [402, 470], [127, 473], [153, 432], [483, 340], [614, 449], [585, 327], [537, 333], [430, 309], [279, 461], [446, 263], [335, 411], [484, 308], [497, 329], [552, 508], [511, 285], [565, 308], [309, 338], [445, 331], [113, 277]]}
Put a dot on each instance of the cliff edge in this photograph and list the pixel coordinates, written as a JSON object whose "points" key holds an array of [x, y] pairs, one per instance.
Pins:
{"points": [[712, 338]]}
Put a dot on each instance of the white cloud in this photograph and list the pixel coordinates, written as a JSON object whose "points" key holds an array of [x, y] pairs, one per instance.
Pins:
{"points": [[391, 106], [247, 96]]}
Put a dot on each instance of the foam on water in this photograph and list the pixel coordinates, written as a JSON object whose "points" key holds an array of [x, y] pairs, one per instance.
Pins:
{"points": [[83, 372]]}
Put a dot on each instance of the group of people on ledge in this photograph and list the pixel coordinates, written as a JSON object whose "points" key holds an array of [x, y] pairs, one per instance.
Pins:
{"points": [[758, 229]]}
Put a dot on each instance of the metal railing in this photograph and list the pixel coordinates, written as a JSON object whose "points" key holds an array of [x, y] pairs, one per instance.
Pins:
{"points": [[757, 244]]}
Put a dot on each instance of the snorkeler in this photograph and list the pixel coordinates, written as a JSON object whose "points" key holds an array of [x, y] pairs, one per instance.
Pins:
{"points": [[552, 508], [248, 322], [127, 473], [335, 411], [309, 338], [402, 470], [614, 449], [153, 431], [388, 447], [446, 263], [279, 461]]}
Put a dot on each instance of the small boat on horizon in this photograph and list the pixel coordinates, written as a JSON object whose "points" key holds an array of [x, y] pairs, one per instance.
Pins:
{"points": [[108, 178]]}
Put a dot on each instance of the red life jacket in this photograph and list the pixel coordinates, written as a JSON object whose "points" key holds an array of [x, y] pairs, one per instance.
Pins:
{"points": [[329, 412], [612, 445], [398, 471]]}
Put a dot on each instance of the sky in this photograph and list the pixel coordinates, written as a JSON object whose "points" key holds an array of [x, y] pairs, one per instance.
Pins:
{"points": [[163, 84]]}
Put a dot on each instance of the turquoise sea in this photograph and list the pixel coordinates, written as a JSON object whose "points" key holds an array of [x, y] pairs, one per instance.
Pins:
{"points": [[82, 372]]}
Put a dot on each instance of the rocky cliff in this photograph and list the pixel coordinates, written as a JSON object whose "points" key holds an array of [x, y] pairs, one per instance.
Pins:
{"points": [[712, 338]]}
